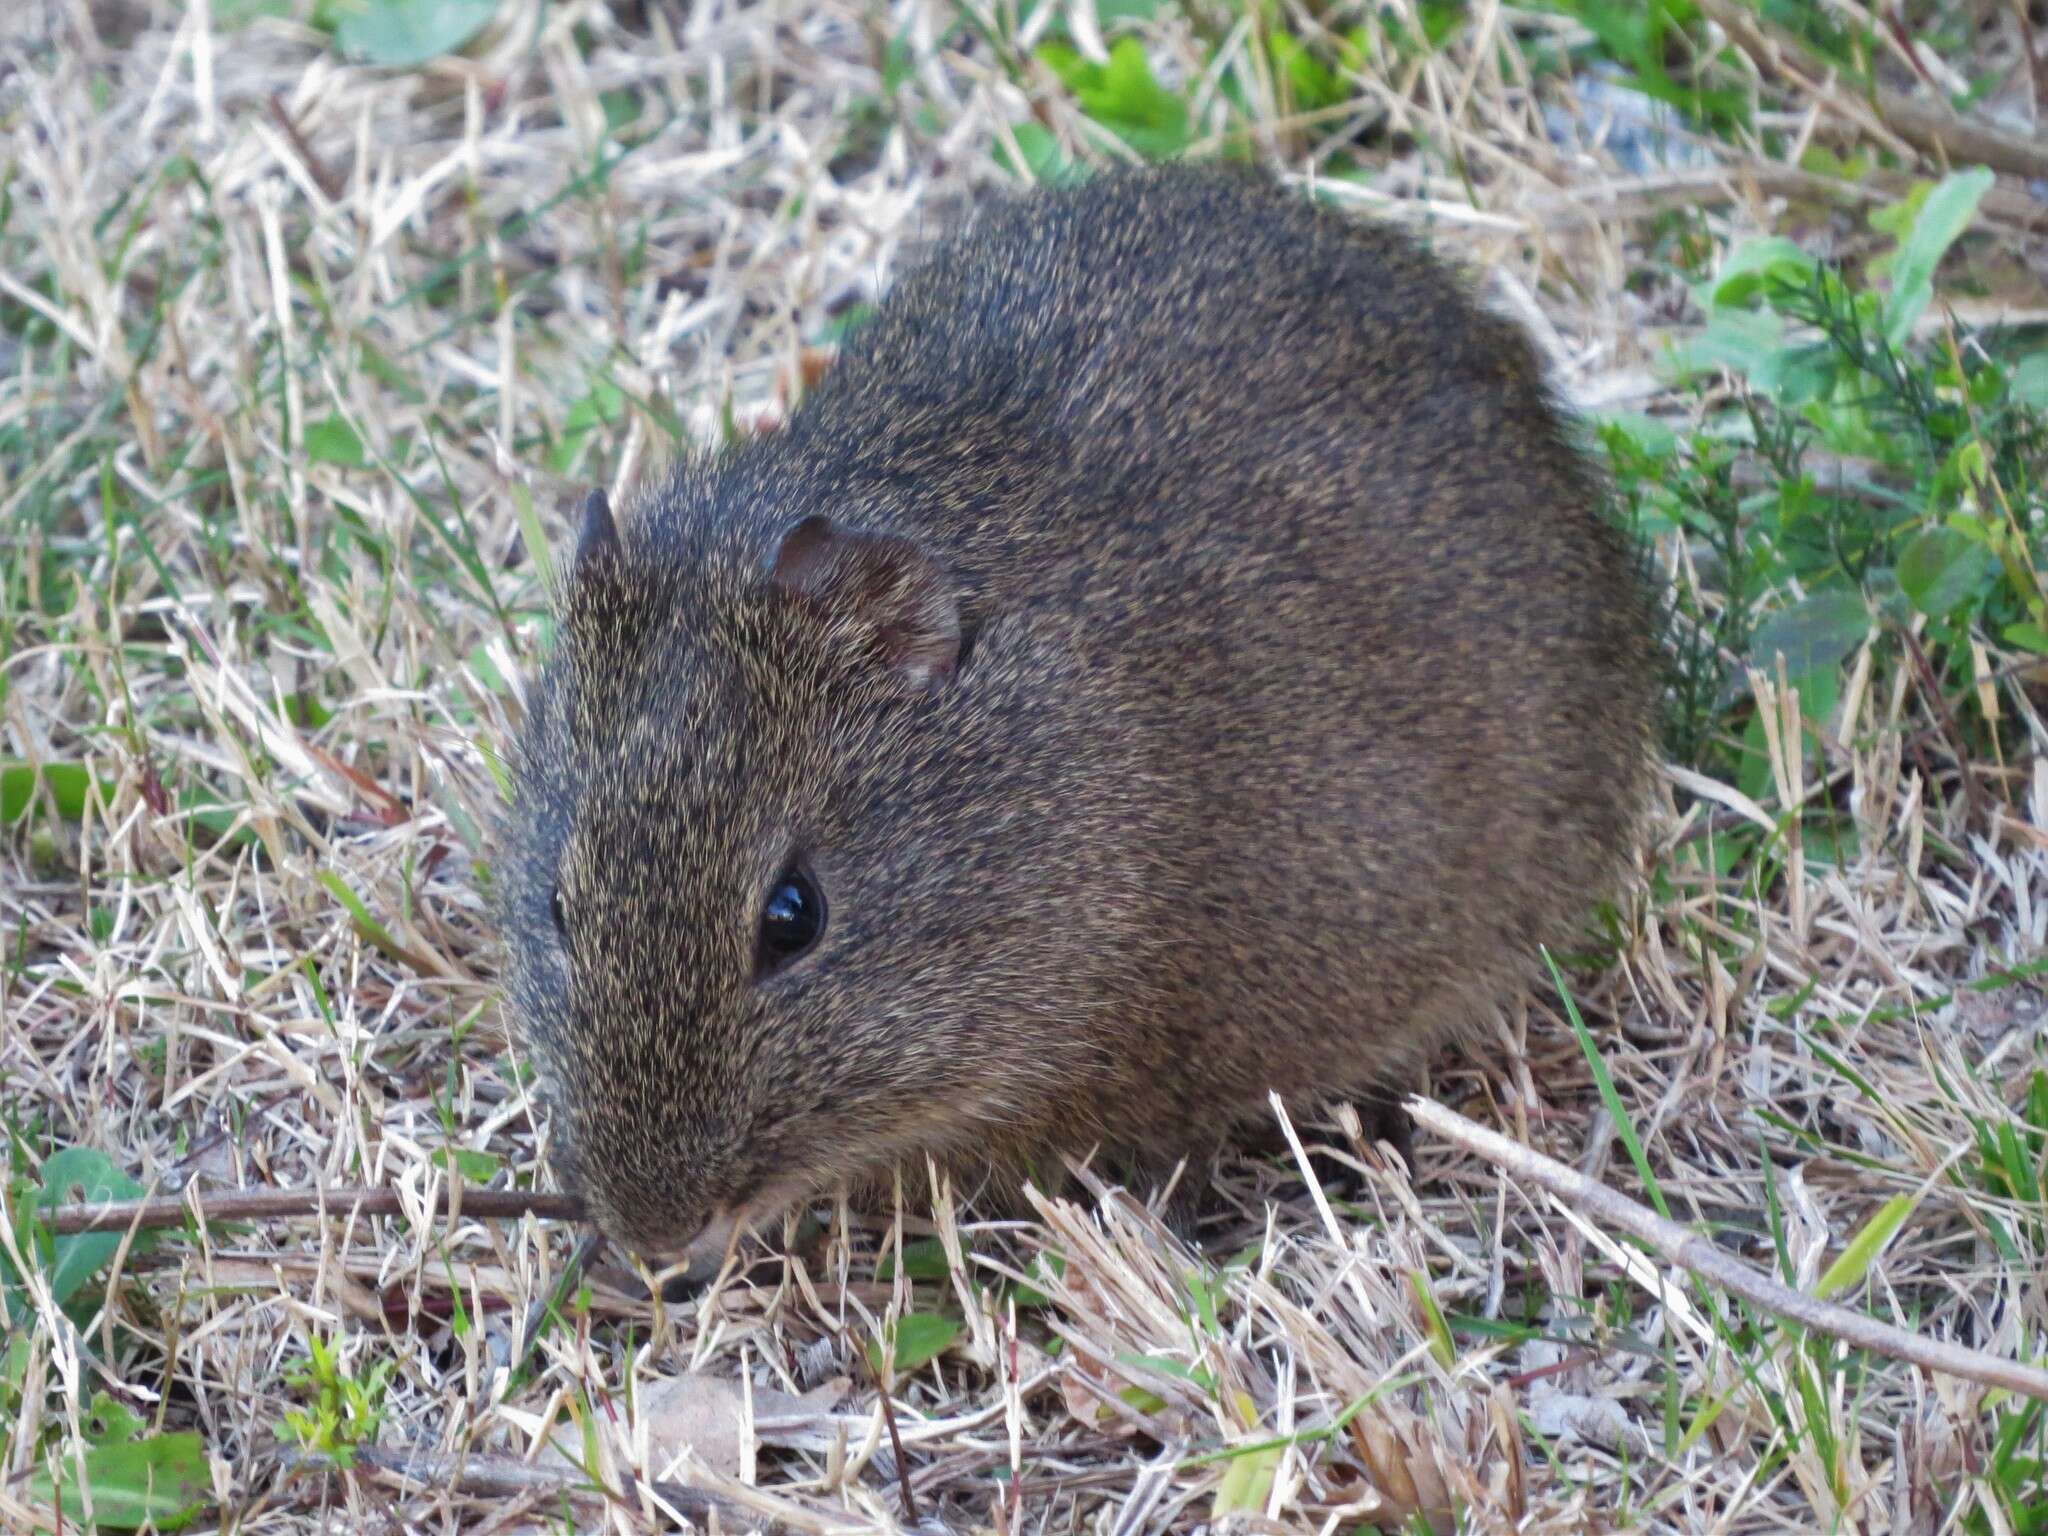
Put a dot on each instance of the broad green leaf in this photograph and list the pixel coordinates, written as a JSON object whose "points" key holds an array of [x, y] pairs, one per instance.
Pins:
{"points": [[67, 784], [475, 1167], [163, 1481], [1247, 1482], [918, 1337], [1166, 1365], [334, 441], [1650, 437], [1048, 1268], [1855, 1260], [1750, 344], [924, 1260], [81, 1174], [2029, 381], [403, 34], [1314, 83], [1943, 217], [1814, 633], [1940, 569], [1755, 263], [2032, 637]]}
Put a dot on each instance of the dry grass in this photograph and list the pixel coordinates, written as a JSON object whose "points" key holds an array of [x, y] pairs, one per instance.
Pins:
{"points": [[294, 351]]}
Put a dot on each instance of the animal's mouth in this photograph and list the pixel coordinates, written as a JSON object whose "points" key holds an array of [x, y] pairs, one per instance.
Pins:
{"points": [[680, 1266]]}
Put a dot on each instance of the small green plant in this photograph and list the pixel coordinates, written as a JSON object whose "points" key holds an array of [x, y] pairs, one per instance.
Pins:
{"points": [[2013, 1490], [346, 1411], [1895, 481]]}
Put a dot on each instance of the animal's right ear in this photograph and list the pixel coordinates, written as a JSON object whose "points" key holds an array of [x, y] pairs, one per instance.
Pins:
{"points": [[597, 537], [880, 587]]}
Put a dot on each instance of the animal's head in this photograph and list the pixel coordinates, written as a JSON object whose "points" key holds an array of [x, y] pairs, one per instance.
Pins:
{"points": [[794, 881]]}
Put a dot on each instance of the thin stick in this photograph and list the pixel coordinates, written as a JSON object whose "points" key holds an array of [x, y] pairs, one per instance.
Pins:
{"points": [[853, 1347], [1677, 1246], [271, 1204]]}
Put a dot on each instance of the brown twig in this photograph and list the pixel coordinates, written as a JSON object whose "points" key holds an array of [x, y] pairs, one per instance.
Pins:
{"points": [[1675, 1245], [1930, 688], [889, 1419], [331, 183], [273, 1204]]}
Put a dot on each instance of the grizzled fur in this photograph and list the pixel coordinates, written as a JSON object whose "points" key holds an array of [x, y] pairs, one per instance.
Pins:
{"points": [[1301, 691]]}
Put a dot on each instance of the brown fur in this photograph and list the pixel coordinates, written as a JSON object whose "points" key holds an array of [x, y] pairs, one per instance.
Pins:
{"points": [[1305, 692]]}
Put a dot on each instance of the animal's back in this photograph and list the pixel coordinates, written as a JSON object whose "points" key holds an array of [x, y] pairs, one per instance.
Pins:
{"points": [[1338, 575]]}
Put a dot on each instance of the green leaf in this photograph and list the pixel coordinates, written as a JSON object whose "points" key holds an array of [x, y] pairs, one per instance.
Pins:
{"points": [[372, 930], [2028, 636], [2029, 382], [403, 34], [1314, 83], [334, 441], [1434, 1327], [605, 403], [1043, 159], [1855, 1260], [1748, 343], [1124, 96], [1755, 264], [162, 1480], [1814, 633], [1941, 569], [74, 1174], [475, 1167], [1248, 1482], [486, 670], [1166, 1365], [917, 1338], [924, 1260], [1946, 214], [67, 785]]}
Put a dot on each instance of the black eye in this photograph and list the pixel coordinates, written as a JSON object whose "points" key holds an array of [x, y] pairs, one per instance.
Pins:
{"points": [[555, 911], [792, 919]]}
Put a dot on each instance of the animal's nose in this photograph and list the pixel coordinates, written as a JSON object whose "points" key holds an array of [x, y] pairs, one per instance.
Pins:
{"points": [[686, 1267]]}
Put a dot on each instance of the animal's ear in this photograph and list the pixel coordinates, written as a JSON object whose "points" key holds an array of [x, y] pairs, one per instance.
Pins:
{"points": [[879, 584], [597, 536], [605, 598]]}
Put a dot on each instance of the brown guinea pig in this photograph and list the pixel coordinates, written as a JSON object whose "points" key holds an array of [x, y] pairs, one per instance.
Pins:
{"points": [[1177, 653]]}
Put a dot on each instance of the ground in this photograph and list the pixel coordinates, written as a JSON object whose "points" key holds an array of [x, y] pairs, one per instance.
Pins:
{"points": [[314, 331]]}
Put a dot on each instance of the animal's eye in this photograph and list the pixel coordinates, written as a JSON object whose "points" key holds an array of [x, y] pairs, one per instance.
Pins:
{"points": [[556, 912], [792, 919]]}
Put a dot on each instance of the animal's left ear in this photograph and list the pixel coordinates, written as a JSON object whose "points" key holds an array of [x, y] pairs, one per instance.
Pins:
{"points": [[881, 585]]}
